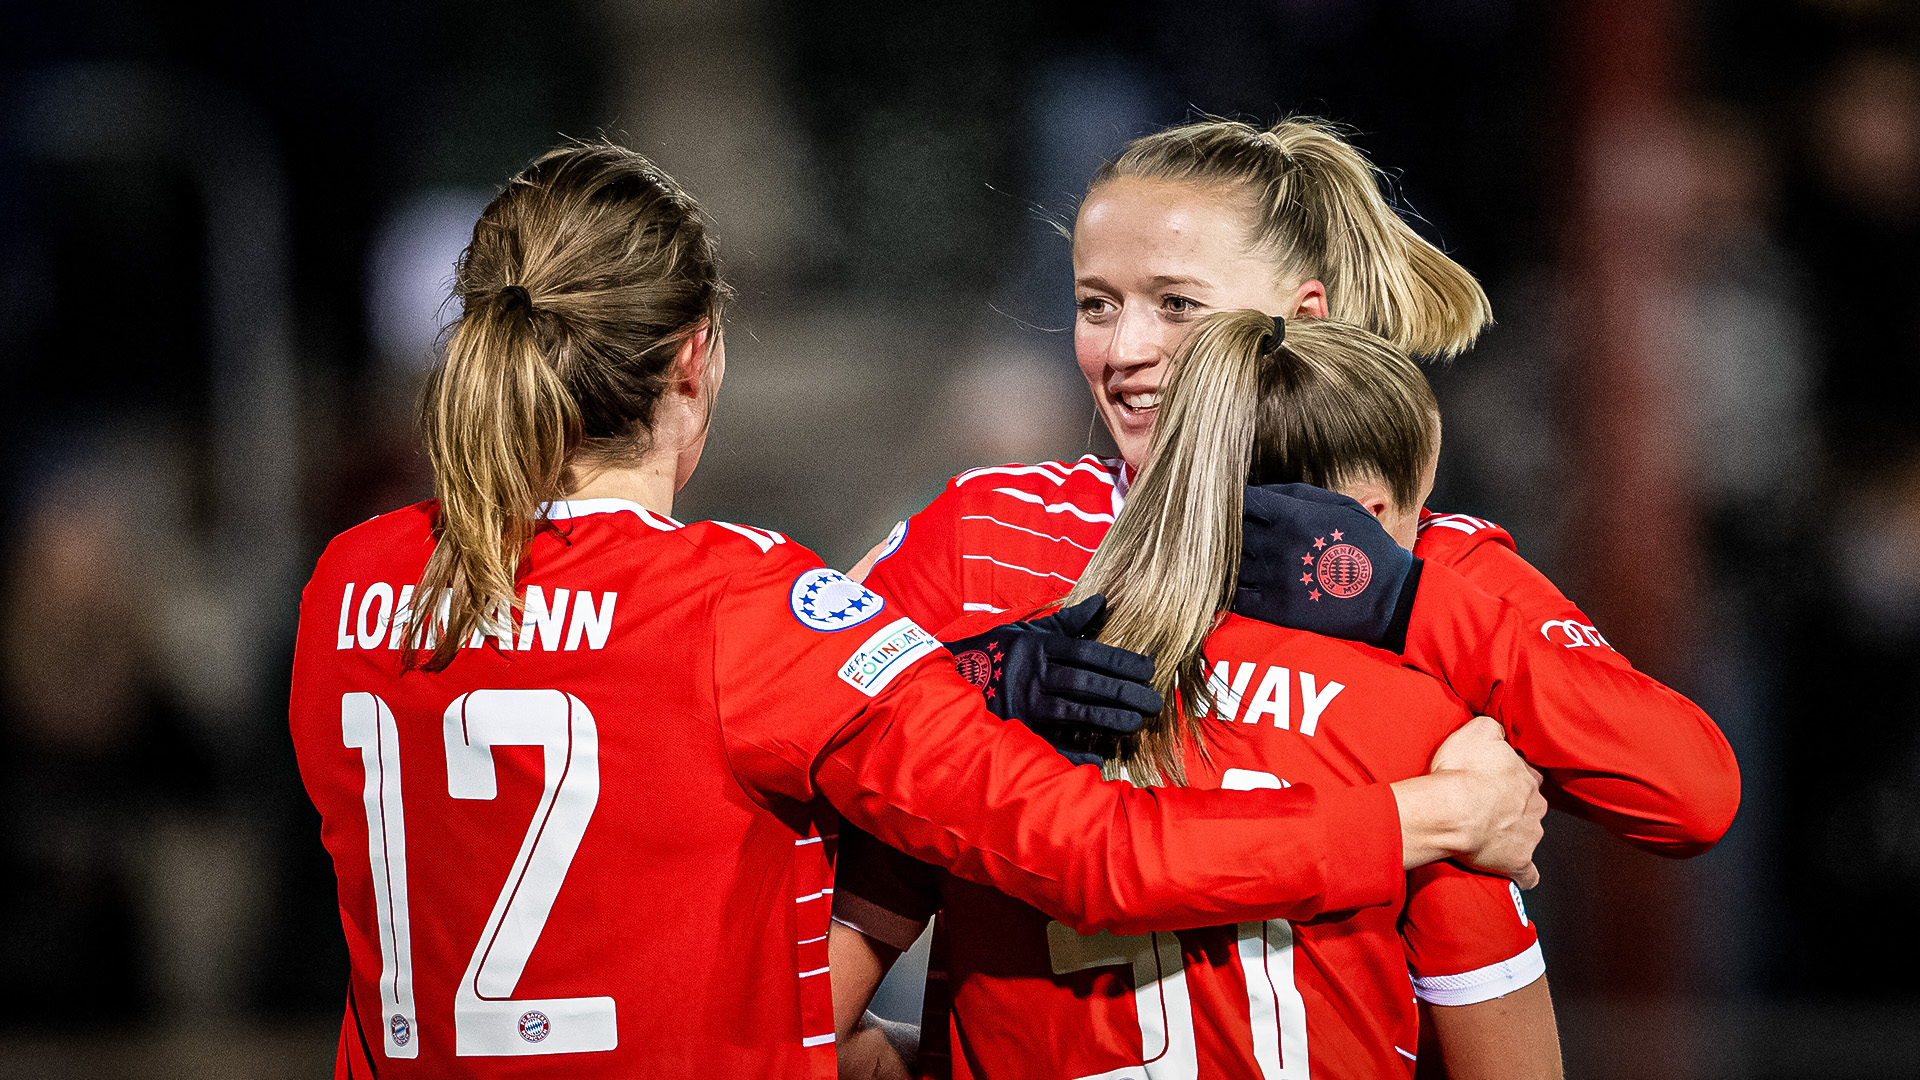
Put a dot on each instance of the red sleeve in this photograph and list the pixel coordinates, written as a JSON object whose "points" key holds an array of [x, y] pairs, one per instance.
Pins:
{"points": [[1467, 936], [919, 567], [885, 894], [1617, 747], [871, 715]]}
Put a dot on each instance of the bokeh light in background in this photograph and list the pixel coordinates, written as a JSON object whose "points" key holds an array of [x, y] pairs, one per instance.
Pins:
{"points": [[225, 240]]}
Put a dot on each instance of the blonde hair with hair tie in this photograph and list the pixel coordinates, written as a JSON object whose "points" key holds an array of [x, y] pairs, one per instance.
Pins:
{"points": [[583, 279], [1329, 404], [1318, 209]]}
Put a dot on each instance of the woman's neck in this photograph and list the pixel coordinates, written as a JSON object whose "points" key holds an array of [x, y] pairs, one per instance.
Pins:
{"points": [[650, 482]]}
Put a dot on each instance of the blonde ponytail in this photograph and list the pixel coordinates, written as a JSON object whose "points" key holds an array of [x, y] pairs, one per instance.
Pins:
{"points": [[1168, 565], [1330, 405], [583, 278], [1319, 210]]}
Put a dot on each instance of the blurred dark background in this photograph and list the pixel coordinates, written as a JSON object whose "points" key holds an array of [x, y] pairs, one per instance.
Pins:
{"points": [[226, 232]]}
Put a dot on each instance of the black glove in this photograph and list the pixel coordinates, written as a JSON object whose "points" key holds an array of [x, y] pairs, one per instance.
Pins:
{"points": [[1078, 694], [1313, 560]]}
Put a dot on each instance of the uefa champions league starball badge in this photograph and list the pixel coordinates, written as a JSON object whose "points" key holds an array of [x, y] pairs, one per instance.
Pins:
{"points": [[828, 600]]}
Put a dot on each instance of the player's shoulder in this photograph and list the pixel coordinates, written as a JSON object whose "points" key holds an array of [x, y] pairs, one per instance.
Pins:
{"points": [[1353, 663], [1446, 538], [1088, 473], [408, 530], [1093, 484]]}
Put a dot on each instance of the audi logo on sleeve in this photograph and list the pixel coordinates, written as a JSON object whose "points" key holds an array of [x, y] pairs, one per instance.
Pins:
{"points": [[1569, 634]]}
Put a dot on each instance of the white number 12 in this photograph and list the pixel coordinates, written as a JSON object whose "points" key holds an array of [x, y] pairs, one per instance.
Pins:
{"points": [[487, 1020]]}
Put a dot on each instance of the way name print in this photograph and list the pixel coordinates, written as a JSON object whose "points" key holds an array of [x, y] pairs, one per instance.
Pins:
{"points": [[374, 616], [1237, 696]]}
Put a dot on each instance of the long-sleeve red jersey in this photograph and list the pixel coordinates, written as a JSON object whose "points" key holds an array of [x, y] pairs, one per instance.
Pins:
{"points": [[1333, 997], [596, 843], [1616, 745]]}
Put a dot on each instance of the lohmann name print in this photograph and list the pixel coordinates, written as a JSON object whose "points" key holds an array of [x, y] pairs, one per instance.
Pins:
{"points": [[375, 616]]}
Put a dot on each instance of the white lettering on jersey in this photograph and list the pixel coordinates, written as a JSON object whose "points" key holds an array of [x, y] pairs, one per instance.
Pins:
{"points": [[1226, 698], [535, 616], [344, 638], [402, 611], [1273, 695], [1272, 699], [496, 624], [1313, 703], [596, 626], [369, 635], [885, 655], [380, 620]]}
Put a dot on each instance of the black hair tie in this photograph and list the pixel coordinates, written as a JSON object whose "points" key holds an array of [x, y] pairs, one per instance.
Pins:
{"points": [[1271, 341], [517, 296]]}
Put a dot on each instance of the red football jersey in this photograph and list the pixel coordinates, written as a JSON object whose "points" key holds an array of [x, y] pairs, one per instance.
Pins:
{"points": [[595, 844], [1329, 997], [1617, 746]]}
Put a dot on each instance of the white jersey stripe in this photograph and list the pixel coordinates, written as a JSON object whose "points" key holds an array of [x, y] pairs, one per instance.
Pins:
{"points": [[1024, 529], [1022, 569], [1059, 472], [1054, 508], [1482, 984], [971, 606], [567, 509], [817, 1040], [764, 539]]}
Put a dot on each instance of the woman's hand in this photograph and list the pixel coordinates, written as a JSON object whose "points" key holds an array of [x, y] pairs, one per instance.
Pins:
{"points": [[1078, 694], [1480, 803], [1313, 560]]}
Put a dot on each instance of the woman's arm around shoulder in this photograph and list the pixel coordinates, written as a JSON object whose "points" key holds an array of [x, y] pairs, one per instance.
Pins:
{"points": [[1617, 746]]}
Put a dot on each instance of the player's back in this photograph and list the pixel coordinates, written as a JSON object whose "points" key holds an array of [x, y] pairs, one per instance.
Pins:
{"points": [[545, 849], [1031, 998]]}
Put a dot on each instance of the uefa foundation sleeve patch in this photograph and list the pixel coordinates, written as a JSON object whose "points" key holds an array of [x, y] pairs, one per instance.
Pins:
{"points": [[885, 655]]}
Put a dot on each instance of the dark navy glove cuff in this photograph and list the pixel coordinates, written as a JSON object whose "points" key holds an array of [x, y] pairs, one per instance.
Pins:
{"points": [[1395, 639]]}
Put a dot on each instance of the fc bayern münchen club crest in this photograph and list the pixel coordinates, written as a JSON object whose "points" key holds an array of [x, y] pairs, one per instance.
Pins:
{"points": [[979, 666], [402, 1031], [828, 600], [534, 1026], [1341, 571], [1344, 571]]}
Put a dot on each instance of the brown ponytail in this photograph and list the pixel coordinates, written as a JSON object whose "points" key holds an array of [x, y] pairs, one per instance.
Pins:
{"points": [[583, 279], [1319, 210]]}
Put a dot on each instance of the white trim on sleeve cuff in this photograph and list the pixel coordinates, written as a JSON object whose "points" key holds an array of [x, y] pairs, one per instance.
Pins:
{"points": [[888, 927], [1482, 984]]}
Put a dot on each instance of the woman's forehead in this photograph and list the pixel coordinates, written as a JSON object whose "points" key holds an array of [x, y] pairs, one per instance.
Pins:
{"points": [[1171, 222]]}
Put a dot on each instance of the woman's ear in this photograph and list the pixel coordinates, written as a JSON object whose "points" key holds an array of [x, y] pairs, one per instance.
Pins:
{"points": [[1309, 301], [691, 360], [1369, 493]]}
